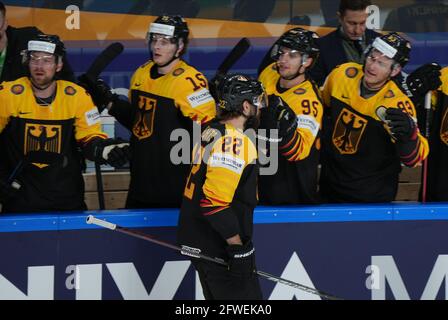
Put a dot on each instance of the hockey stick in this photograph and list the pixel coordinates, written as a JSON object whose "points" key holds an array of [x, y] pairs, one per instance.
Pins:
{"points": [[98, 65], [427, 133], [232, 57], [195, 253]]}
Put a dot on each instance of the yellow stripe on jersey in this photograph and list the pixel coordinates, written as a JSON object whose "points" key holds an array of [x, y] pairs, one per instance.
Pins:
{"points": [[185, 85], [306, 104], [229, 156], [71, 102]]}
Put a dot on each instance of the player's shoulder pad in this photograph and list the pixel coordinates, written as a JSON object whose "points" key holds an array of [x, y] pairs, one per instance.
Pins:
{"points": [[16, 87], [70, 88]]}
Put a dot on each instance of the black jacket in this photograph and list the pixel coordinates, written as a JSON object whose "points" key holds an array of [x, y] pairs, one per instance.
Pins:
{"points": [[17, 41], [332, 54]]}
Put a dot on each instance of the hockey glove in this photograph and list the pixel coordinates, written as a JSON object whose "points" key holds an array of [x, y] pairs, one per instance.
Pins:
{"points": [[99, 90], [401, 125], [115, 152], [8, 190], [422, 80], [278, 115], [241, 259]]}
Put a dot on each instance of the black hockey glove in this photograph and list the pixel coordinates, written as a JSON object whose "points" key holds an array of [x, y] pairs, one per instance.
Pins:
{"points": [[241, 259], [278, 115], [8, 190], [99, 90], [401, 125], [115, 152], [422, 80]]}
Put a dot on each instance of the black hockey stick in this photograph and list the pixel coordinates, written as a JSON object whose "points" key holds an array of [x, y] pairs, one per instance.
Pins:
{"points": [[98, 65], [193, 252], [237, 52], [427, 133], [232, 57]]}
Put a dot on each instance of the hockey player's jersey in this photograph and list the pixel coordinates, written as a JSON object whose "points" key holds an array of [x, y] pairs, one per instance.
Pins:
{"points": [[360, 160], [161, 121], [437, 183], [220, 193], [69, 121], [295, 181]]}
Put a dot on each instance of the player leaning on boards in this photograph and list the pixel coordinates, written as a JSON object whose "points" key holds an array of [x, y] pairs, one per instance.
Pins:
{"points": [[54, 118], [295, 181], [165, 94], [372, 126], [216, 217]]}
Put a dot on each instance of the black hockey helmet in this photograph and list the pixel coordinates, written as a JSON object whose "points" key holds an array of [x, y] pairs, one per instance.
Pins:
{"points": [[234, 89], [172, 26], [297, 39], [50, 43], [393, 46]]}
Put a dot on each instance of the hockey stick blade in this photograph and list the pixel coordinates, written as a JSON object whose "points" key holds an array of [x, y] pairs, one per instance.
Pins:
{"points": [[104, 59], [237, 52]]}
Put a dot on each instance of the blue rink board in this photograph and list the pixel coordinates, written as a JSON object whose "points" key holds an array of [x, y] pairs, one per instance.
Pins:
{"points": [[340, 249], [262, 215]]}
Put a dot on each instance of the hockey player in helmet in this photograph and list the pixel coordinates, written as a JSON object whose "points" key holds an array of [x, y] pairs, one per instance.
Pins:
{"points": [[372, 126], [165, 94], [53, 118], [216, 216], [295, 180]]}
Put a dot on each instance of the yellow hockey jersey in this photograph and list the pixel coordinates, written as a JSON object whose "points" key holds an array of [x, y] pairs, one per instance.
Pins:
{"points": [[361, 161], [164, 108], [69, 122], [295, 181], [220, 193]]}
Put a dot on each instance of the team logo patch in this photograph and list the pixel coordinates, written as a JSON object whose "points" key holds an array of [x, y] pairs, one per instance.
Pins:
{"points": [[17, 89], [144, 121], [389, 94], [42, 137], [178, 71], [348, 131], [444, 128], [300, 91], [351, 72], [70, 90]]}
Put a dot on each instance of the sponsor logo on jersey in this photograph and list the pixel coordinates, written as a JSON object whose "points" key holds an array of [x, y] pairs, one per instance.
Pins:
{"points": [[42, 137], [69, 90], [199, 98], [17, 89], [92, 116], [389, 94], [308, 122], [227, 161], [178, 71], [300, 91], [348, 131], [351, 72], [144, 121], [444, 128]]}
